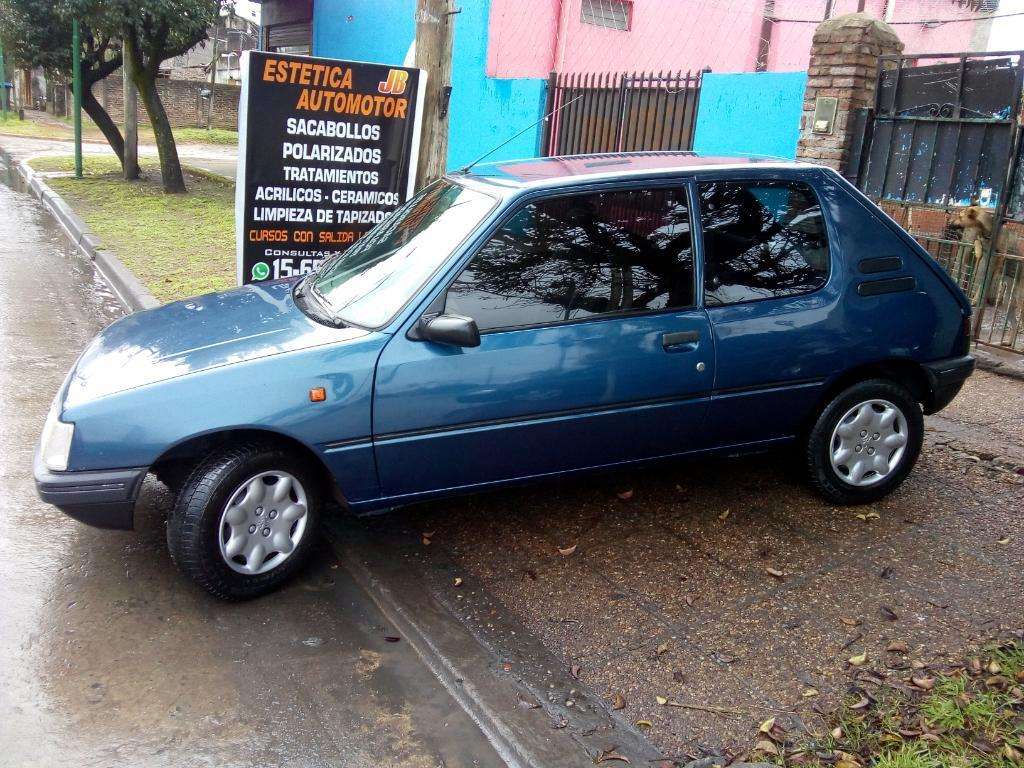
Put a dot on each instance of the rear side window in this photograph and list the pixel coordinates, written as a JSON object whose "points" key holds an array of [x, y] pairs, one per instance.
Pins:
{"points": [[578, 256], [762, 240]]}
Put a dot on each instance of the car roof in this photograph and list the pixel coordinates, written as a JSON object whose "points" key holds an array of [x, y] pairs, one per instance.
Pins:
{"points": [[541, 172]]}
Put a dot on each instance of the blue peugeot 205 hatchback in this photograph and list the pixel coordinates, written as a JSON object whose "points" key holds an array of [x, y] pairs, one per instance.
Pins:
{"points": [[523, 320]]}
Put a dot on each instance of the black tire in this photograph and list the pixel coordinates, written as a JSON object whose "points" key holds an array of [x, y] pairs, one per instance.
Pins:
{"points": [[193, 529], [828, 481]]}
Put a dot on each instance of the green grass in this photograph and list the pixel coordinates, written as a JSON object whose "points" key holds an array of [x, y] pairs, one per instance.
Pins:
{"points": [[971, 718], [12, 126], [177, 245], [182, 135]]}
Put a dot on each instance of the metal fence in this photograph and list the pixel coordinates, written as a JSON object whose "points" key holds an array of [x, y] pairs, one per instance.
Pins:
{"points": [[621, 112], [1000, 311]]}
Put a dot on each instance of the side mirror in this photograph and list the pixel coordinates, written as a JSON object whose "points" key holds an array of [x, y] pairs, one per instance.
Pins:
{"points": [[456, 330]]}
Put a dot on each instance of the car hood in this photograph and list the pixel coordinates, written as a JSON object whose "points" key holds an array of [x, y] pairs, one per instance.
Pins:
{"points": [[195, 335]]}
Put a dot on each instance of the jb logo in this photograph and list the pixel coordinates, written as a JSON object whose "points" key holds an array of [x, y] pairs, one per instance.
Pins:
{"points": [[395, 83]]}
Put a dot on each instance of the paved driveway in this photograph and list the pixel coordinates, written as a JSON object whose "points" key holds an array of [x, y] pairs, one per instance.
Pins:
{"points": [[730, 590]]}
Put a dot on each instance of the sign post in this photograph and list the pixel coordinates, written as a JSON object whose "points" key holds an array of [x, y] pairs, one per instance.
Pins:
{"points": [[327, 149]]}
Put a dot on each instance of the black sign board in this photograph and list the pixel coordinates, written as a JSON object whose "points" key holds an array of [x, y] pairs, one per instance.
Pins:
{"points": [[327, 149]]}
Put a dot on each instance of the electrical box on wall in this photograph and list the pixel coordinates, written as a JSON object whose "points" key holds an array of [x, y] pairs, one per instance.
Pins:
{"points": [[825, 108]]}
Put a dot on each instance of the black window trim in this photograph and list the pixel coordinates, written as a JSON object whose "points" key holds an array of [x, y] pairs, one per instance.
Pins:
{"points": [[682, 183], [807, 180]]}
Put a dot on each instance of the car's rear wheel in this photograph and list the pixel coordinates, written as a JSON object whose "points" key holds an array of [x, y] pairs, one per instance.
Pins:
{"points": [[865, 442], [245, 520]]}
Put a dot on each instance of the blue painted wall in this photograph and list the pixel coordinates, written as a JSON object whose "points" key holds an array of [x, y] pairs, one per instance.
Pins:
{"points": [[483, 111], [754, 113], [486, 111], [380, 31]]}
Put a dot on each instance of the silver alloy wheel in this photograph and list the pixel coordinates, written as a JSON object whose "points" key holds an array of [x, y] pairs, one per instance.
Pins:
{"points": [[868, 443], [263, 522]]}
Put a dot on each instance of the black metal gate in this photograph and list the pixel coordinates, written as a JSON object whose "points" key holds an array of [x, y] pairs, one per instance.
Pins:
{"points": [[948, 134], [944, 133], [621, 112]]}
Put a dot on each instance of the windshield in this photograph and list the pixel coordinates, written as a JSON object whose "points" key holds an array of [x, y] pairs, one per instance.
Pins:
{"points": [[367, 284]]}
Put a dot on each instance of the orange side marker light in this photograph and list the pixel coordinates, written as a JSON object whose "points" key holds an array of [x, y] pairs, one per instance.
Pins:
{"points": [[317, 395]]}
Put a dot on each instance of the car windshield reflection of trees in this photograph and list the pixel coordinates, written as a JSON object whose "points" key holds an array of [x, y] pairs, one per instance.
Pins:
{"points": [[573, 257]]}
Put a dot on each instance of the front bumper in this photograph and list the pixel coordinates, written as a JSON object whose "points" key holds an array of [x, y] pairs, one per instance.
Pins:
{"points": [[102, 498], [945, 378]]}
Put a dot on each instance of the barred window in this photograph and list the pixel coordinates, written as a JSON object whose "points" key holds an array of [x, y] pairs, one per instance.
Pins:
{"points": [[614, 14]]}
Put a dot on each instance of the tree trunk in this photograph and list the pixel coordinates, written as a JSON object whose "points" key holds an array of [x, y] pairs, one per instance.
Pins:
{"points": [[107, 126], [170, 165]]}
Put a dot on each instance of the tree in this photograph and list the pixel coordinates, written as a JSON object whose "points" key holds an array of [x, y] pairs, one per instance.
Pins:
{"points": [[152, 31], [37, 33]]}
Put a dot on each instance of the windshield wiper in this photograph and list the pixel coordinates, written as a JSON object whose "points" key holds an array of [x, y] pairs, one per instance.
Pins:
{"points": [[307, 288]]}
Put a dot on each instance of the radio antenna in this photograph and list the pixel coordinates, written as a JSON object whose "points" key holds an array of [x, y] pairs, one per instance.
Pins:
{"points": [[490, 152]]}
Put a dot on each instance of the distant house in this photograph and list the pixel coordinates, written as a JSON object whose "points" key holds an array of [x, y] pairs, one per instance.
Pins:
{"points": [[234, 34]]}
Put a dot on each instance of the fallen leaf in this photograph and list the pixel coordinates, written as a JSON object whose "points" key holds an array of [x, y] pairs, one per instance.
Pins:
{"points": [[689, 601], [643, 724], [850, 622], [625, 495], [724, 515], [662, 649], [426, 541], [897, 647], [1004, 540], [560, 723], [527, 703], [923, 682], [565, 552], [885, 573], [458, 581], [661, 700], [575, 670], [888, 613], [767, 725], [775, 572], [859, 660], [618, 701], [865, 516], [837, 733], [766, 747], [974, 667], [994, 668], [810, 693], [864, 703], [609, 755]]}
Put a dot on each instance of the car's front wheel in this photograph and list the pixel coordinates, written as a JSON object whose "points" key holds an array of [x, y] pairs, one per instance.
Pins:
{"points": [[245, 520], [865, 442]]}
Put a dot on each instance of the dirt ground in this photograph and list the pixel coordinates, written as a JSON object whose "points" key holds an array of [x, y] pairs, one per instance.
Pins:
{"points": [[729, 585]]}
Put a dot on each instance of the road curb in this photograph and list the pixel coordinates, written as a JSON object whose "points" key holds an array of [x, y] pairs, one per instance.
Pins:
{"points": [[1002, 364], [126, 286], [526, 728]]}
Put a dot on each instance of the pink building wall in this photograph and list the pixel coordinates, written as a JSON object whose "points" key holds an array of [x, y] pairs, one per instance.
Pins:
{"points": [[528, 38]]}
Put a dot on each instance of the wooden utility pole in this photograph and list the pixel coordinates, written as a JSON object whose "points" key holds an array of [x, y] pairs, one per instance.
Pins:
{"points": [[435, 22], [131, 122], [76, 76]]}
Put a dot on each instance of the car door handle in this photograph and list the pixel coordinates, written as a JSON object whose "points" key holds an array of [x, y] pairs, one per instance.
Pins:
{"points": [[680, 341]]}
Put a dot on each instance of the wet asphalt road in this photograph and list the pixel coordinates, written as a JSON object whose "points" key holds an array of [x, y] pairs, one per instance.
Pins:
{"points": [[109, 657]]}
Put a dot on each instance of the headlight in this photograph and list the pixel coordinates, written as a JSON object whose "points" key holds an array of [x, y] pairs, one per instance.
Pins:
{"points": [[55, 442]]}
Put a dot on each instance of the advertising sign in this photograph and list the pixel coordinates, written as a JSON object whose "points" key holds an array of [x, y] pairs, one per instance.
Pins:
{"points": [[326, 150]]}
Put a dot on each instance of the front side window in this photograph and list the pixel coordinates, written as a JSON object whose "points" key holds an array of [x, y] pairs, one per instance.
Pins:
{"points": [[574, 257], [762, 240]]}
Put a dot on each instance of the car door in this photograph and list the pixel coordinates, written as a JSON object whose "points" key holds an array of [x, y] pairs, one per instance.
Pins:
{"points": [[773, 306], [592, 349]]}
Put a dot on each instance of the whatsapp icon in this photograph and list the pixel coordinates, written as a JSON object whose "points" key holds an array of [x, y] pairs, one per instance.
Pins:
{"points": [[260, 271]]}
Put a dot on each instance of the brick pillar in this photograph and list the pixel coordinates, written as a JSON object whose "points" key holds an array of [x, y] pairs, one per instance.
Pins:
{"points": [[844, 62]]}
